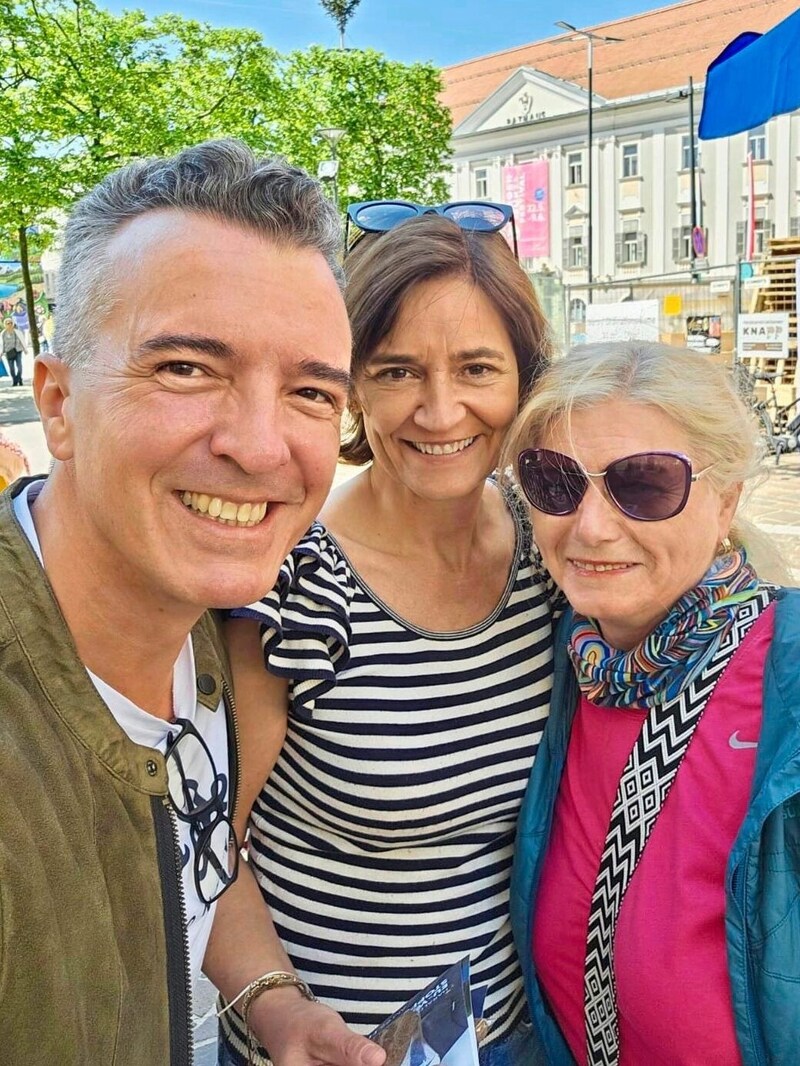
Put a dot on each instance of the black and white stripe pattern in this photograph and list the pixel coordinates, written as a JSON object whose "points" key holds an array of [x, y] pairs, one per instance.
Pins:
{"points": [[645, 783], [383, 839]]}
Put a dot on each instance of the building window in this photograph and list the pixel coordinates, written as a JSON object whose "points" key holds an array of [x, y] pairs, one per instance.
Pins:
{"points": [[575, 249], [631, 247], [794, 226], [686, 152], [577, 310], [682, 243], [481, 176], [764, 229], [757, 142], [630, 160], [575, 168]]}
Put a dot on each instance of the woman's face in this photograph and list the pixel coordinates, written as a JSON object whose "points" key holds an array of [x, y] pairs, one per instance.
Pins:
{"points": [[624, 573], [439, 393]]}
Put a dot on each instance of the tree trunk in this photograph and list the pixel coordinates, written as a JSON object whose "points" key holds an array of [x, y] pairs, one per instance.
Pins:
{"points": [[29, 297]]}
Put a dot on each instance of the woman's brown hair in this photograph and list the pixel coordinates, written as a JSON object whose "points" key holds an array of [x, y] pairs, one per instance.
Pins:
{"points": [[383, 269]]}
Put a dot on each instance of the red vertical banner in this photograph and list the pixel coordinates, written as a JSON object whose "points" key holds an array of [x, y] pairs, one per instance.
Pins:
{"points": [[526, 187]]}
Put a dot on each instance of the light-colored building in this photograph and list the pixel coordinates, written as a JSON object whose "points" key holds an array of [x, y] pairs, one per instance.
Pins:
{"points": [[530, 105]]}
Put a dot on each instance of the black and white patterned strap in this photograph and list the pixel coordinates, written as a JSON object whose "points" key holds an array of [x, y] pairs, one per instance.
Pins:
{"points": [[642, 790]]}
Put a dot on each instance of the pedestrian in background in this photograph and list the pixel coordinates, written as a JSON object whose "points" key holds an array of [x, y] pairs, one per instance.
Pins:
{"points": [[13, 349]]}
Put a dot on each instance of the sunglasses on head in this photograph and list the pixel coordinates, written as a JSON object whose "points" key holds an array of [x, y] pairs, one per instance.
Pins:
{"points": [[379, 216], [647, 486]]}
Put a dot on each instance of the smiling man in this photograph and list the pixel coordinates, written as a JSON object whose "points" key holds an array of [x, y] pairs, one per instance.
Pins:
{"points": [[192, 407]]}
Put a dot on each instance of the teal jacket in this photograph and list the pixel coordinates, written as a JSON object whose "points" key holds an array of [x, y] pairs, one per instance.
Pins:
{"points": [[762, 883]]}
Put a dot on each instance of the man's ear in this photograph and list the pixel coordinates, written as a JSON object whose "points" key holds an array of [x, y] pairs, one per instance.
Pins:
{"points": [[52, 382]]}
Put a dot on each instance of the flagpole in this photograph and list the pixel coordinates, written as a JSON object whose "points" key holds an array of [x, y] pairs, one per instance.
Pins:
{"points": [[750, 245]]}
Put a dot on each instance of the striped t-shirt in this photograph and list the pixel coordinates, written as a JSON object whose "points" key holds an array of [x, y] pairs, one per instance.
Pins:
{"points": [[383, 838]]}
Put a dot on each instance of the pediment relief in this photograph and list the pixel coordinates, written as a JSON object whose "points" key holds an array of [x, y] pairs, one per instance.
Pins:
{"points": [[526, 96]]}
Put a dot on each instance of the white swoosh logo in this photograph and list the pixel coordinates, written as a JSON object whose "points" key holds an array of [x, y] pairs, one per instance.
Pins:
{"points": [[736, 743]]}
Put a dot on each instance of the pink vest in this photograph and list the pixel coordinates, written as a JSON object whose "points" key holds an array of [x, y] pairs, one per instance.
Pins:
{"points": [[673, 992]]}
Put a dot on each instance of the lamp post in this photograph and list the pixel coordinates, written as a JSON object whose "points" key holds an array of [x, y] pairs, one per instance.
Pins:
{"points": [[328, 169], [697, 239], [590, 38]]}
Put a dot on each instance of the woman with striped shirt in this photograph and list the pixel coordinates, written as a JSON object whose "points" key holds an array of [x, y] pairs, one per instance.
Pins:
{"points": [[410, 637]]}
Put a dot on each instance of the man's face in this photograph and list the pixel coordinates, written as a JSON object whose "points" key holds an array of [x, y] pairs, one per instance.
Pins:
{"points": [[202, 440]]}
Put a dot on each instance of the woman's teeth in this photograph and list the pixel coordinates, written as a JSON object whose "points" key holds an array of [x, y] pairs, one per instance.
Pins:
{"points": [[225, 511], [442, 449], [600, 567]]}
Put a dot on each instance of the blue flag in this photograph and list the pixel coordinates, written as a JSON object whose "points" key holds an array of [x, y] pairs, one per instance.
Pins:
{"points": [[754, 78]]}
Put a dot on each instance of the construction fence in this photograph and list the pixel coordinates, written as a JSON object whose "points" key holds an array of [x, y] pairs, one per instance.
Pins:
{"points": [[717, 310]]}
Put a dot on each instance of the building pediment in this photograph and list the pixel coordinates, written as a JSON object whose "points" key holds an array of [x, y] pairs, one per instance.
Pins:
{"points": [[526, 96]]}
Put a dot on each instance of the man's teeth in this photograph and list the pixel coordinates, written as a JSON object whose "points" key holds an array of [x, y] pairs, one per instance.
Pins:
{"points": [[225, 511], [582, 565], [443, 449]]}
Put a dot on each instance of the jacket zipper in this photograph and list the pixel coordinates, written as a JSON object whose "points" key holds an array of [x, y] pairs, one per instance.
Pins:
{"points": [[181, 1042], [740, 879], [235, 753]]}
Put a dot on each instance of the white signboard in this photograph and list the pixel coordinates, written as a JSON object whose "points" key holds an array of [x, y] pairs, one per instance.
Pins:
{"points": [[720, 286], [765, 334], [633, 320]]}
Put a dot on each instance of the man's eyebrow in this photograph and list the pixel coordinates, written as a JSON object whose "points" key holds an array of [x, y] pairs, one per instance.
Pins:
{"points": [[325, 372], [192, 342]]}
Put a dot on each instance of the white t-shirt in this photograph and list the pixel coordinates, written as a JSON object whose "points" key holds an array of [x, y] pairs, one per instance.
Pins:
{"points": [[152, 732]]}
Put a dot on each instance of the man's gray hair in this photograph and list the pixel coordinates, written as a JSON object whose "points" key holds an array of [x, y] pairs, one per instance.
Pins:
{"points": [[222, 179]]}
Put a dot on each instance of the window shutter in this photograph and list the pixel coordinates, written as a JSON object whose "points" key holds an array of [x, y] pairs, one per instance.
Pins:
{"points": [[741, 233]]}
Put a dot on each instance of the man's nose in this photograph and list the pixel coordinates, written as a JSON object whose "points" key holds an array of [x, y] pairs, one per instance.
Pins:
{"points": [[253, 429]]}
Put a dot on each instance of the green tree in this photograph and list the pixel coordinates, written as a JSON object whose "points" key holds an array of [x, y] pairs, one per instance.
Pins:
{"points": [[85, 90], [396, 131], [341, 11]]}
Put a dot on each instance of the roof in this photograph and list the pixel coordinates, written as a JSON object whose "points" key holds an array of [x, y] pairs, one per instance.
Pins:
{"points": [[660, 50]]}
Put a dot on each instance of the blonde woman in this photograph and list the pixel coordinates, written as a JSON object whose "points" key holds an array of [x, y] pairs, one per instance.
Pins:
{"points": [[657, 874]]}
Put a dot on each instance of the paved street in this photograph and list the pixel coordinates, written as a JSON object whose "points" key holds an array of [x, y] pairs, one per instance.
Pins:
{"points": [[774, 507]]}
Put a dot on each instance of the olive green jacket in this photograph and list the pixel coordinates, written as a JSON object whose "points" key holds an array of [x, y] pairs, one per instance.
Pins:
{"points": [[93, 949]]}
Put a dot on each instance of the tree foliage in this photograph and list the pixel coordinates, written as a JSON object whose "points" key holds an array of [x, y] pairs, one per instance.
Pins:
{"points": [[86, 90], [341, 11], [396, 131]]}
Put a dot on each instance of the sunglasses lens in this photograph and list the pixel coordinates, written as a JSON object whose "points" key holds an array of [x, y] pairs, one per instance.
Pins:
{"points": [[650, 487], [553, 483], [380, 217], [485, 217]]}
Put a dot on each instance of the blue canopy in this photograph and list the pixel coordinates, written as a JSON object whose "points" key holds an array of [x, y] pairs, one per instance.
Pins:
{"points": [[754, 78]]}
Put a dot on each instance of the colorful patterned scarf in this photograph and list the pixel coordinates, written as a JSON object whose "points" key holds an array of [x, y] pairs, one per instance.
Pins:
{"points": [[676, 651]]}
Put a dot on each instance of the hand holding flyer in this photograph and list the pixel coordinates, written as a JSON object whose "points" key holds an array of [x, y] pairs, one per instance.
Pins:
{"points": [[434, 1028]]}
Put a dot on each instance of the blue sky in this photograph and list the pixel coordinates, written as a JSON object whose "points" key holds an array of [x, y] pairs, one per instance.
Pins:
{"points": [[439, 31]]}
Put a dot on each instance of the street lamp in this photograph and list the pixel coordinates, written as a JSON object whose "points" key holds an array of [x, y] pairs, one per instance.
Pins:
{"points": [[590, 38], [329, 168], [697, 242]]}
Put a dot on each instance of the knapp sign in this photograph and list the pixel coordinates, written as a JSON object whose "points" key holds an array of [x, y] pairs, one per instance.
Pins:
{"points": [[763, 335]]}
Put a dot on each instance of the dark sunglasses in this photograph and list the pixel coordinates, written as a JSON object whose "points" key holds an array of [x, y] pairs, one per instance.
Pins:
{"points": [[211, 829], [379, 216], [648, 486]]}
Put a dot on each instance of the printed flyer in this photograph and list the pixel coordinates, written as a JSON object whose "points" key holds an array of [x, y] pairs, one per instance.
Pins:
{"points": [[436, 1027]]}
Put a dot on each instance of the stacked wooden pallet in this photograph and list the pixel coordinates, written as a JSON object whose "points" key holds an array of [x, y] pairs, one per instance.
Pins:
{"points": [[780, 294]]}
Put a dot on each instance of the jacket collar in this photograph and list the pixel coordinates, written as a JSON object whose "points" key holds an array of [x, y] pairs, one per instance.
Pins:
{"points": [[31, 617]]}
